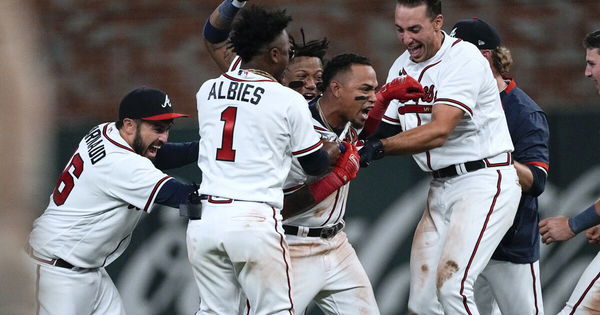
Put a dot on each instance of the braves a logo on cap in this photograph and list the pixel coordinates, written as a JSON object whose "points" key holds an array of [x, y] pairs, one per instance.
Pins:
{"points": [[480, 43], [453, 33], [167, 102]]}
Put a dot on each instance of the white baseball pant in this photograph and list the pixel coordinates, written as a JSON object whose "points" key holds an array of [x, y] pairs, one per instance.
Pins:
{"points": [[509, 288], [465, 220], [585, 298], [236, 249]]}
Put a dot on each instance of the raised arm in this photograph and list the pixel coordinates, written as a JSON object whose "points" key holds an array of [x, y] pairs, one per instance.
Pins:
{"points": [[216, 32]]}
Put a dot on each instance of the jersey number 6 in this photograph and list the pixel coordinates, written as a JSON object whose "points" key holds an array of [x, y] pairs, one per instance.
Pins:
{"points": [[226, 151], [66, 180]]}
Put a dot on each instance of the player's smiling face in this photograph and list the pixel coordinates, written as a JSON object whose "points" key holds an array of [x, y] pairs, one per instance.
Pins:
{"points": [[305, 70], [418, 32], [592, 67], [358, 93], [150, 136]]}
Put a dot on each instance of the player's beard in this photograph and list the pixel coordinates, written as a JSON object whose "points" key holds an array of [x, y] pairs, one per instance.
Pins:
{"points": [[138, 143]]}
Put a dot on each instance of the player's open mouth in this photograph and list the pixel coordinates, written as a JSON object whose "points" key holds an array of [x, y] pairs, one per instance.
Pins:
{"points": [[153, 149], [415, 51], [309, 96], [364, 114]]}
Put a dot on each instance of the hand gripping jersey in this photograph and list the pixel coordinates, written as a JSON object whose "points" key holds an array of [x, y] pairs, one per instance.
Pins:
{"points": [[457, 76], [250, 126], [97, 202]]}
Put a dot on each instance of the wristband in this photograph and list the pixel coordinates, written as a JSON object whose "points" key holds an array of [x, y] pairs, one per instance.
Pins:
{"points": [[213, 34], [228, 9], [325, 187], [584, 220]]}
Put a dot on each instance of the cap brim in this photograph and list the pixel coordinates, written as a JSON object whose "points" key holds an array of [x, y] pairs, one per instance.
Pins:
{"points": [[166, 116]]}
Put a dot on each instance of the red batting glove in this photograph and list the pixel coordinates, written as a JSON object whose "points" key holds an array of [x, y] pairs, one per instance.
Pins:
{"points": [[348, 164], [402, 88]]}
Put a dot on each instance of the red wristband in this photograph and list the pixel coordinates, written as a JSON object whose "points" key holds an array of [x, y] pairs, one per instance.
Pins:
{"points": [[325, 187]]}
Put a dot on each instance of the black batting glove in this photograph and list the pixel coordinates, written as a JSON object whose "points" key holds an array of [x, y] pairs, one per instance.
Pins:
{"points": [[372, 150]]}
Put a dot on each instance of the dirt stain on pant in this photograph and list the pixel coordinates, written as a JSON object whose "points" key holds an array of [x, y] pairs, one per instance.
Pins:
{"points": [[445, 272]]}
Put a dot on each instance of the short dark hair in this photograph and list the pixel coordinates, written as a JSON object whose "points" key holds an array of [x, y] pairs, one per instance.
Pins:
{"points": [[434, 7], [340, 63], [256, 28], [592, 40], [314, 48]]}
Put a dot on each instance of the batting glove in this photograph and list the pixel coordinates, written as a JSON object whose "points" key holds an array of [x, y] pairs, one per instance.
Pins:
{"points": [[348, 164], [372, 150], [403, 88]]}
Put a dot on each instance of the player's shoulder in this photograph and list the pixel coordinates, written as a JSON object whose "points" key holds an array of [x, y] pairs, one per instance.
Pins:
{"points": [[398, 66], [516, 99], [458, 49]]}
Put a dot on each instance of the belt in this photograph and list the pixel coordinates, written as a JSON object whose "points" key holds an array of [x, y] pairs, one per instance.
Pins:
{"points": [[54, 261], [459, 169], [324, 232]]}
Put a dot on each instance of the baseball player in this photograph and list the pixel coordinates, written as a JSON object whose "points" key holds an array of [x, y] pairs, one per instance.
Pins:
{"points": [[304, 72], [250, 127], [457, 132], [584, 299], [512, 277], [105, 188]]}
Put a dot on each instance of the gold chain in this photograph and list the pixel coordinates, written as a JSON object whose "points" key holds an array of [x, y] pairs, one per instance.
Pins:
{"points": [[323, 117], [263, 73]]}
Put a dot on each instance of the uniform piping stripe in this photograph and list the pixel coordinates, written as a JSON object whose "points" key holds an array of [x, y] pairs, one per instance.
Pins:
{"points": [[543, 165], [319, 128], [337, 194], [248, 307], [420, 109], [455, 102], [427, 68], [154, 192], [391, 119], [342, 207], [511, 85], [312, 147], [113, 141], [293, 188], [118, 245], [584, 294], [240, 80], [535, 300], [287, 266], [489, 164], [235, 64], [487, 218], [456, 42], [37, 290]]}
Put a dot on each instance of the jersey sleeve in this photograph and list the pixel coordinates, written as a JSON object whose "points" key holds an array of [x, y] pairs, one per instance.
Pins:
{"points": [[391, 115], [136, 181], [304, 138], [531, 141], [460, 85]]}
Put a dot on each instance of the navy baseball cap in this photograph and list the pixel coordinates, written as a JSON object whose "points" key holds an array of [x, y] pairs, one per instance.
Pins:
{"points": [[477, 32], [147, 104]]}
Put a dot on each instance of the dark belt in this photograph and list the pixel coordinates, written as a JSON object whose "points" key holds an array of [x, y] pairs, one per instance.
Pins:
{"points": [[325, 232], [450, 171], [54, 262]]}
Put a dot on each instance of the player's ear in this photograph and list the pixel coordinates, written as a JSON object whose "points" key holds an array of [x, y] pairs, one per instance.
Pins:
{"points": [[438, 22], [129, 125], [274, 55], [335, 87]]}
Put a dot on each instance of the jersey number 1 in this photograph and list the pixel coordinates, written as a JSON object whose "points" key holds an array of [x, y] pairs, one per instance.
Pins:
{"points": [[226, 151], [66, 180]]}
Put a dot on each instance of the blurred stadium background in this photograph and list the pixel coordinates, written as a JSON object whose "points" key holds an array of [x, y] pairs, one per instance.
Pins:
{"points": [[86, 54]]}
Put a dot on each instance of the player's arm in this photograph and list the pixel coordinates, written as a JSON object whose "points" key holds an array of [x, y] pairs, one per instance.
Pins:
{"points": [[176, 154], [531, 140], [174, 193], [563, 228], [307, 196], [318, 162], [216, 32]]}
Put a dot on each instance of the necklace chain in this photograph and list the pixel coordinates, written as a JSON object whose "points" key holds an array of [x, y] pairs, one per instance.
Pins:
{"points": [[263, 73], [323, 117]]}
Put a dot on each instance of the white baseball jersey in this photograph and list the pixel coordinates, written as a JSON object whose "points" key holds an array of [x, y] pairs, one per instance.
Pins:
{"points": [[458, 75], [98, 200], [584, 299], [250, 126]]}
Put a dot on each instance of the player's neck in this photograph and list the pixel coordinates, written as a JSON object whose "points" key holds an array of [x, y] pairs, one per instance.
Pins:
{"points": [[327, 107], [502, 85]]}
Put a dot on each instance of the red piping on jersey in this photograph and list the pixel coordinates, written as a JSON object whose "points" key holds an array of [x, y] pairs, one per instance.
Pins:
{"points": [[391, 119], [543, 165], [584, 294], [487, 219], [535, 300], [118, 245], [217, 201], [319, 128], [240, 80], [113, 141], [511, 85], [154, 192], [293, 188], [420, 109], [448, 100], [342, 207], [248, 307], [456, 42], [427, 68], [332, 208], [287, 266], [489, 164], [312, 147], [237, 62]]}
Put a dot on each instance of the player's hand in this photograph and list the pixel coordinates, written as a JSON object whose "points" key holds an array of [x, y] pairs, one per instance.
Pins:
{"points": [[403, 88], [372, 150], [555, 229], [593, 235], [333, 150], [348, 164]]}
